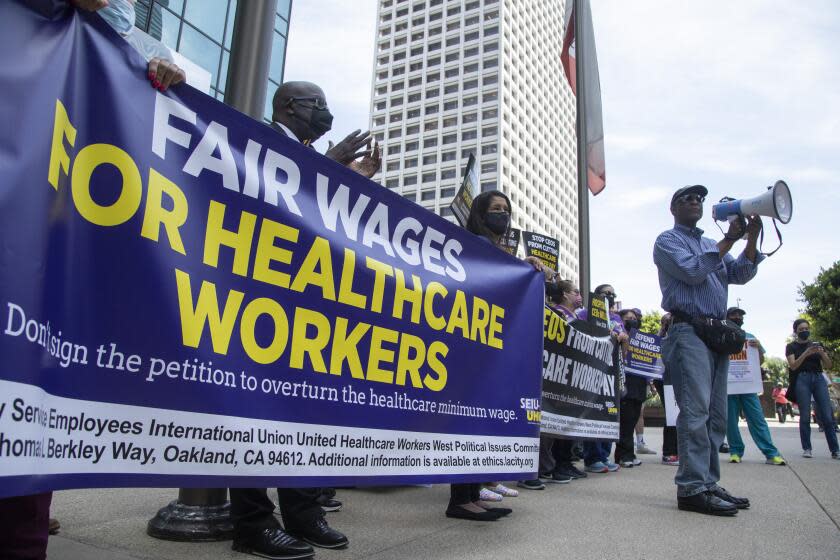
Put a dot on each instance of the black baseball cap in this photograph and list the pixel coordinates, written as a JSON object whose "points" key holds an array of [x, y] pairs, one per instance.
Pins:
{"points": [[691, 189], [735, 310]]}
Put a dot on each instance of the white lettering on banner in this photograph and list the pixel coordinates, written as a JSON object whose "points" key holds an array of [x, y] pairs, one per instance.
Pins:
{"points": [[44, 434], [281, 180]]}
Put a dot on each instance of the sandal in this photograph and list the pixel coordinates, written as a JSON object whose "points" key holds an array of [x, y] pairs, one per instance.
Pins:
{"points": [[488, 495], [503, 490]]}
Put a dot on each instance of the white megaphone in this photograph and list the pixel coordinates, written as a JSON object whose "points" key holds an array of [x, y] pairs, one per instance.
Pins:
{"points": [[775, 203]]}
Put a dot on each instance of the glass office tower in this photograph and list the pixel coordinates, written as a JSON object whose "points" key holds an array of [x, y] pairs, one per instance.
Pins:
{"points": [[202, 30]]}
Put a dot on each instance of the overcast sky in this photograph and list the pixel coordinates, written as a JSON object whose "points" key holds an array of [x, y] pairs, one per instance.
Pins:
{"points": [[731, 95]]}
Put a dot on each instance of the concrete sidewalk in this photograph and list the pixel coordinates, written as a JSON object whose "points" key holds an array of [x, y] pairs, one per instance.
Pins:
{"points": [[631, 514]]}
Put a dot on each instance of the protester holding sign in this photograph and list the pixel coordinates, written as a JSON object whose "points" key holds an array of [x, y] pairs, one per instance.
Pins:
{"points": [[807, 359], [596, 453], [631, 403], [751, 407], [670, 455], [694, 275], [489, 219]]}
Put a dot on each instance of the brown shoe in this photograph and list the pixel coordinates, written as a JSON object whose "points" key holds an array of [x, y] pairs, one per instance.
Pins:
{"points": [[54, 526]]}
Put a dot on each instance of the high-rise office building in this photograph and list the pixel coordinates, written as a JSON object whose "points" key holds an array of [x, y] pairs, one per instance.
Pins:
{"points": [[202, 31], [454, 77]]}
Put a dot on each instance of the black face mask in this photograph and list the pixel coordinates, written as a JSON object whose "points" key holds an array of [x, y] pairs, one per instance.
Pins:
{"points": [[739, 322], [319, 122], [610, 299], [632, 324], [497, 222], [803, 335]]}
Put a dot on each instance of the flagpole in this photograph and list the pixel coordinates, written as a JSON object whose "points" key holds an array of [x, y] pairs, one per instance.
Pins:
{"points": [[583, 189]]}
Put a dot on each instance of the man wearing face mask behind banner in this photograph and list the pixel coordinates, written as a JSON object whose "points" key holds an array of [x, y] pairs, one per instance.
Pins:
{"points": [[300, 112], [631, 402]]}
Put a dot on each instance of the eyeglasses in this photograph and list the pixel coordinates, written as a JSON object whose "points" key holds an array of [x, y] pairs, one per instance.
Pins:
{"points": [[691, 197], [317, 102]]}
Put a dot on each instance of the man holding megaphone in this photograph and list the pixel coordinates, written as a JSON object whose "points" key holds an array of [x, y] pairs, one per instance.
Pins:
{"points": [[694, 275]]}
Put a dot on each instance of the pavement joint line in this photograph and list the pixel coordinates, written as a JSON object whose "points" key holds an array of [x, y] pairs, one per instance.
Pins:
{"points": [[822, 507], [418, 537]]}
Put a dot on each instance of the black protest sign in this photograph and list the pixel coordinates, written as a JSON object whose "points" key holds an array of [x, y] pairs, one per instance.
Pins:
{"points": [[510, 241], [581, 381], [545, 248], [462, 202], [599, 311]]}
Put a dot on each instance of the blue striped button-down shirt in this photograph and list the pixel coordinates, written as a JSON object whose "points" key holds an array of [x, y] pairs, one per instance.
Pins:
{"points": [[693, 277]]}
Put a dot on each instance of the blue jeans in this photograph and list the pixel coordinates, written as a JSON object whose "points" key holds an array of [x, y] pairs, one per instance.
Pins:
{"points": [[756, 423], [699, 377], [596, 451], [813, 384]]}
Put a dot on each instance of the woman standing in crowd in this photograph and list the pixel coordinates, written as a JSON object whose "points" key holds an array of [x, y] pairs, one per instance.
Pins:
{"points": [[669, 433], [807, 359], [631, 402], [489, 219]]}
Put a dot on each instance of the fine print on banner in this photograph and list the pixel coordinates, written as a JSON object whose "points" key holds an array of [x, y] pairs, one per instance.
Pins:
{"points": [[226, 276], [644, 358], [745, 372], [580, 381]]}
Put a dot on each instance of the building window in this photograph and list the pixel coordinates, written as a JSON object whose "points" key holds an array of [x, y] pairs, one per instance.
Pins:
{"points": [[489, 113], [449, 105], [410, 114], [449, 139], [488, 186], [489, 80], [452, 72], [450, 121], [431, 109], [394, 149], [491, 96], [394, 133], [491, 31], [447, 156], [411, 162], [378, 121], [430, 159], [410, 146], [451, 88], [471, 36], [469, 117], [489, 131], [430, 125], [470, 84], [428, 177], [470, 101], [415, 66], [412, 97], [427, 195], [448, 191], [395, 117], [410, 180], [447, 174], [433, 62], [430, 93], [472, 51], [430, 142], [489, 167], [469, 135], [413, 129], [392, 183], [489, 149]]}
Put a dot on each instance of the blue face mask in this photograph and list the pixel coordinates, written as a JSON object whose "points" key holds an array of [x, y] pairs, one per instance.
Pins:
{"points": [[120, 15]]}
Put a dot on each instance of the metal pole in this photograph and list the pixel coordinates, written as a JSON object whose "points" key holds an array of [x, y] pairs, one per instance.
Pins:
{"points": [[583, 188], [250, 56], [203, 514]]}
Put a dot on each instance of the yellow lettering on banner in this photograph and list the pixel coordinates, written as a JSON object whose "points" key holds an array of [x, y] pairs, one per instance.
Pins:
{"points": [[378, 354], [496, 313], [413, 296], [381, 270], [302, 344], [345, 347], [437, 351], [346, 294], [458, 317], [248, 330], [480, 320], [437, 322], [408, 364], [554, 326], [268, 252], [156, 216], [206, 310], [59, 158], [131, 189], [239, 240], [317, 270]]}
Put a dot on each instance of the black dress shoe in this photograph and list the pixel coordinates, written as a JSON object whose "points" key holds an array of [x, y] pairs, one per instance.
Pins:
{"points": [[740, 503], [501, 512], [708, 503], [724, 447], [319, 533], [329, 504], [458, 512], [273, 543]]}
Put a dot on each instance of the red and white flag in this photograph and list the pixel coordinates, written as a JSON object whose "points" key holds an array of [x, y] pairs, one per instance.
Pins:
{"points": [[593, 124]]}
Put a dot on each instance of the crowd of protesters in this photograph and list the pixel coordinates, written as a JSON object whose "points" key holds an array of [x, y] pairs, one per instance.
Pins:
{"points": [[301, 113]]}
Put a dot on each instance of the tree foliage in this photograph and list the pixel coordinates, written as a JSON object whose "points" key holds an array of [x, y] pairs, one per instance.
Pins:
{"points": [[822, 307], [777, 369], [650, 322]]}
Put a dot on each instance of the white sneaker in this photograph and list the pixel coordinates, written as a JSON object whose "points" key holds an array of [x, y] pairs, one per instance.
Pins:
{"points": [[643, 449], [807, 454]]}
